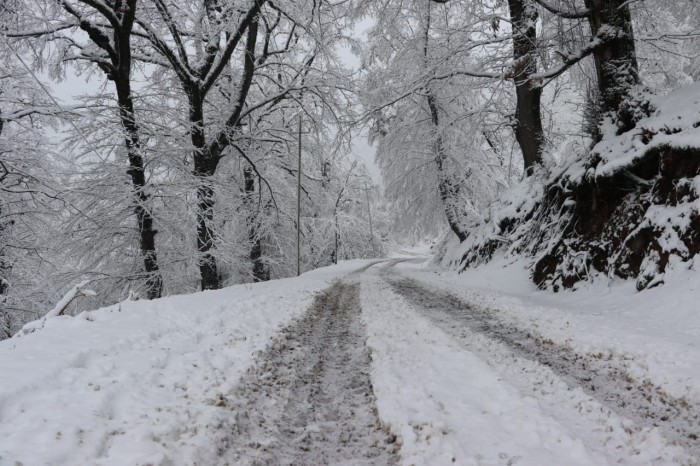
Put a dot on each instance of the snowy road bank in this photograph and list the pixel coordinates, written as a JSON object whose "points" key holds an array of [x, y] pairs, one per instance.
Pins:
{"points": [[460, 386], [602, 376], [142, 382]]}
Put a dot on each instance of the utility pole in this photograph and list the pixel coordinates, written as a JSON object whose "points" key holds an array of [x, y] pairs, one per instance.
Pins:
{"points": [[299, 205], [369, 214]]}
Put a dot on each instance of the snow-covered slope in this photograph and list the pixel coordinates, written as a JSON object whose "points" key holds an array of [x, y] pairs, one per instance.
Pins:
{"points": [[141, 382], [629, 207]]}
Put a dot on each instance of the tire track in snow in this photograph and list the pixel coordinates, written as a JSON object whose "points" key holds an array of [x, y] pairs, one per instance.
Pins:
{"points": [[308, 398], [601, 376]]}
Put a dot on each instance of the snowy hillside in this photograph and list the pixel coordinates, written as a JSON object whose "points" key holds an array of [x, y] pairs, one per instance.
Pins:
{"points": [[629, 207]]}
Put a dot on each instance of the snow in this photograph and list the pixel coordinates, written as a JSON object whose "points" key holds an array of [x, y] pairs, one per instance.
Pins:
{"points": [[658, 328], [160, 382], [140, 382], [675, 123], [471, 401], [58, 309], [447, 405]]}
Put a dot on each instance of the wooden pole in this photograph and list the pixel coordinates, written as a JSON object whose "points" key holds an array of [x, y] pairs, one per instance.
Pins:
{"points": [[299, 204]]}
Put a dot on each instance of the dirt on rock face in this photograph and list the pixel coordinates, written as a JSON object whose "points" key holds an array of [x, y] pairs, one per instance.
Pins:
{"points": [[308, 399], [632, 222], [605, 226]]}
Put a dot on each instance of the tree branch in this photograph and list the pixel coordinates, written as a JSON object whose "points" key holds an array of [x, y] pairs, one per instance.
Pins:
{"points": [[255, 169], [232, 43], [565, 14]]}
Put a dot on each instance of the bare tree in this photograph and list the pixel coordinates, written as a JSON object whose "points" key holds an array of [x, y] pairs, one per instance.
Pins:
{"points": [[109, 28], [199, 58], [614, 52], [29, 201]]}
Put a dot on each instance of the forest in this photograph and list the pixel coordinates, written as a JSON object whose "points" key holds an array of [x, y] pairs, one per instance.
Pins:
{"points": [[215, 141]]}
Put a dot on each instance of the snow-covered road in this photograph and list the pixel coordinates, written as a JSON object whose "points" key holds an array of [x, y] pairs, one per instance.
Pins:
{"points": [[308, 398], [371, 363], [465, 386]]}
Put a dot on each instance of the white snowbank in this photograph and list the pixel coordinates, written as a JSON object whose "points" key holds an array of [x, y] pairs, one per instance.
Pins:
{"points": [[675, 122], [142, 382]]}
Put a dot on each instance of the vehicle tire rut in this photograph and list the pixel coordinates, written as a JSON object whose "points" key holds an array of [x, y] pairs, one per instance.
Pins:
{"points": [[602, 376], [308, 398]]}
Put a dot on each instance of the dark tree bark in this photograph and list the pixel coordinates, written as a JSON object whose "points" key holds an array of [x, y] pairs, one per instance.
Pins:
{"points": [[147, 231], [196, 82], [261, 272], [122, 81], [528, 119], [336, 231], [205, 163], [336, 239], [616, 60], [325, 183], [3, 266], [117, 67]]}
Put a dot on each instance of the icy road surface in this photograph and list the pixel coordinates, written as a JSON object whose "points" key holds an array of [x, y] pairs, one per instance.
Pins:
{"points": [[309, 399], [366, 363]]}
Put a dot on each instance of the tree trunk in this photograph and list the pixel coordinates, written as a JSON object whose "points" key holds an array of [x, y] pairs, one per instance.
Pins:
{"points": [[147, 232], [336, 238], [448, 183], [121, 74], [205, 164], [206, 157], [205, 241], [615, 62], [261, 273], [528, 119], [3, 266]]}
